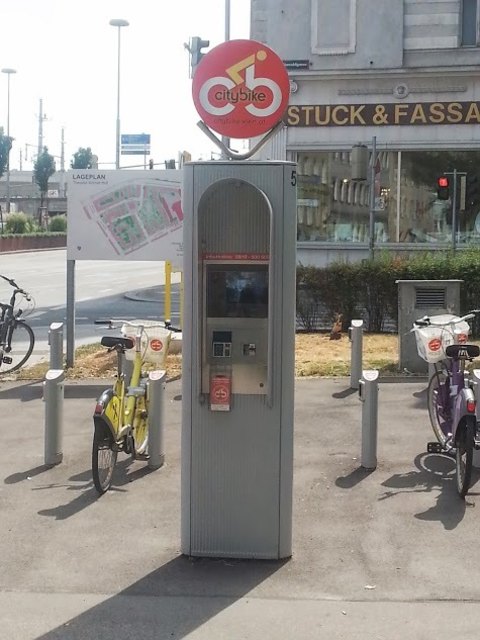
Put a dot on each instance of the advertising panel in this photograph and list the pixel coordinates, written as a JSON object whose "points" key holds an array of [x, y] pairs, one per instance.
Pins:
{"points": [[124, 215]]}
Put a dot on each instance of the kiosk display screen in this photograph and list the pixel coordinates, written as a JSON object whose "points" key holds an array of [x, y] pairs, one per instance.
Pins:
{"points": [[237, 291]]}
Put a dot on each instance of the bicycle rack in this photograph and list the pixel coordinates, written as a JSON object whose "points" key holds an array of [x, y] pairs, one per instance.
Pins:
{"points": [[156, 418], [368, 394], [53, 395], [355, 335]]}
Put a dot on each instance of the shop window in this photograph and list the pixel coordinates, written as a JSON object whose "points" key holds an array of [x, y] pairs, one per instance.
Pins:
{"points": [[470, 16]]}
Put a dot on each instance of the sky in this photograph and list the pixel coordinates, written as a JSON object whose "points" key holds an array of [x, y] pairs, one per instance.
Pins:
{"points": [[65, 53]]}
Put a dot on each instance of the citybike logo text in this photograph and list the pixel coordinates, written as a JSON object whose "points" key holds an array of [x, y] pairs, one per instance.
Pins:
{"points": [[252, 98]]}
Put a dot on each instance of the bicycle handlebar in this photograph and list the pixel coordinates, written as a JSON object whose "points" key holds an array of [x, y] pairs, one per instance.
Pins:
{"points": [[18, 289], [115, 322], [426, 321]]}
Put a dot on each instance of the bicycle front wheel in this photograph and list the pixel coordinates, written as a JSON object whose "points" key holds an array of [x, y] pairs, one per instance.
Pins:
{"points": [[439, 409], [464, 458], [104, 458], [19, 350]]}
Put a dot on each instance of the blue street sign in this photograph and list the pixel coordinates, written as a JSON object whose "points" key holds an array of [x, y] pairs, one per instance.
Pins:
{"points": [[135, 143]]}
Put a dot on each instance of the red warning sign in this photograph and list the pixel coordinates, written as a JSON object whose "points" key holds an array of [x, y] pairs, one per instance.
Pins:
{"points": [[220, 392]]}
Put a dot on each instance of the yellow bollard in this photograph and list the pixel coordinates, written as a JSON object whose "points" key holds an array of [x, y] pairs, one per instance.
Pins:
{"points": [[167, 305]]}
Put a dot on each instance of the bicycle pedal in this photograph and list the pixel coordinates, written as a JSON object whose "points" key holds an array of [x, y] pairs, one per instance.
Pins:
{"points": [[7, 360], [435, 447]]}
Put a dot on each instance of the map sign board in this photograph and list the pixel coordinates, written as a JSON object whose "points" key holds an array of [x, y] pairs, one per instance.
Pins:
{"points": [[124, 215]]}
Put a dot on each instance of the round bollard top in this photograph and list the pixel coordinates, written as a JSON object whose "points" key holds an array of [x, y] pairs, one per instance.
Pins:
{"points": [[55, 374], [357, 323], [55, 326], [370, 375], [156, 375]]}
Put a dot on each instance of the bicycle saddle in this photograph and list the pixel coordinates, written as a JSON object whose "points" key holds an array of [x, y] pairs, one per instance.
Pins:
{"points": [[463, 351], [113, 341]]}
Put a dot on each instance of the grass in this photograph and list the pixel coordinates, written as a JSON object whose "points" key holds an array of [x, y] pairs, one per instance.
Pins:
{"points": [[315, 356]]}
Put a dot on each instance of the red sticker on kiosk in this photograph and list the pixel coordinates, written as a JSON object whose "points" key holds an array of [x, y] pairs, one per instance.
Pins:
{"points": [[241, 88], [435, 344], [220, 392]]}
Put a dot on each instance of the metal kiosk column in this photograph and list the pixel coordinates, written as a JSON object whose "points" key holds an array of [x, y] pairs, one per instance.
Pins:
{"points": [[238, 358]]}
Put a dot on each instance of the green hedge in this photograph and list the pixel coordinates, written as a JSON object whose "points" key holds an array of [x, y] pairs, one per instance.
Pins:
{"points": [[368, 289]]}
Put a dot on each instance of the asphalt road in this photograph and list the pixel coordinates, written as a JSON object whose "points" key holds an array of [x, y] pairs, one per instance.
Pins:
{"points": [[100, 291]]}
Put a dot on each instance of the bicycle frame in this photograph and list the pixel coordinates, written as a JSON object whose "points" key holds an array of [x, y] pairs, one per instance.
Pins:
{"points": [[115, 411], [456, 397]]}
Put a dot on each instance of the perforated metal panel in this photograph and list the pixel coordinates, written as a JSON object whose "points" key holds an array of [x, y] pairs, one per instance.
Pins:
{"points": [[418, 298], [428, 298]]}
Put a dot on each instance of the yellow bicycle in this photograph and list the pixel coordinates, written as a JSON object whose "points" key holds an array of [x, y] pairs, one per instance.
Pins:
{"points": [[121, 413]]}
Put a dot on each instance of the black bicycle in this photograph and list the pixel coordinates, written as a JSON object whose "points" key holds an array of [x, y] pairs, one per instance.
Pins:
{"points": [[16, 336]]}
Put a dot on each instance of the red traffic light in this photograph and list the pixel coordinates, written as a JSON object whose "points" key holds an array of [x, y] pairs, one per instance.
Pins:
{"points": [[443, 181]]}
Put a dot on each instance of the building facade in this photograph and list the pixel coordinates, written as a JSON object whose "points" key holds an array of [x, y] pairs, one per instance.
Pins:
{"points": [[400, 76]]}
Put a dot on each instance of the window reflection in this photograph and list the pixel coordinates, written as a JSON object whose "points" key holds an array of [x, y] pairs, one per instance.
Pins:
{"points": [[333, 208]]}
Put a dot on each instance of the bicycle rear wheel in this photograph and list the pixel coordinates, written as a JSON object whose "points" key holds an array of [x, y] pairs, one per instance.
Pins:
{"points": [[104, 458], [439, 409], [464, 457], [20, 348]]}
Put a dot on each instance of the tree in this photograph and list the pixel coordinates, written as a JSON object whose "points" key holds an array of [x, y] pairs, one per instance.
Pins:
{"points": [[82, 159], [43, 169], [5, 146]]}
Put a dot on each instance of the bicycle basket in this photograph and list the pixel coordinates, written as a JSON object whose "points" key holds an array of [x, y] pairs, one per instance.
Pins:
{"points": [[155, 342], [433, 340]]}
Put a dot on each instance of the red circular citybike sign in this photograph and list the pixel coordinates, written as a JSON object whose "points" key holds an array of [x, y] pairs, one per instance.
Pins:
{"points": [[241, 89]]}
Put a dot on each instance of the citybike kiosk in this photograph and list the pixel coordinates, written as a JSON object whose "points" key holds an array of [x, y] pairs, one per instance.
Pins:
{"points": [[238, 358]]}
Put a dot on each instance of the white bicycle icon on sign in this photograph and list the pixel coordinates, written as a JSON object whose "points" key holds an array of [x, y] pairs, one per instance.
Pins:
{"points": [[251, 82]]}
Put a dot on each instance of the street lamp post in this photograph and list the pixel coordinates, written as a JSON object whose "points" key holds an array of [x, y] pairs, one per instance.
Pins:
{"points": [[9, 73], [119, 23]]}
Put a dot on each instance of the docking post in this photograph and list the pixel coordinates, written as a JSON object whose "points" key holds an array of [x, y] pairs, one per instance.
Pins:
{"points": [[368, 394], [355, 335], [55, 340], [54, 388], [156, 419]]}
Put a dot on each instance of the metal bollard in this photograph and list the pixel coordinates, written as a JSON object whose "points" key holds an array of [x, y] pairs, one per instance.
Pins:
{"points": [[53, 395], [55, 340], [355, 335], [156, 418], [475, 381], [368, 394]]}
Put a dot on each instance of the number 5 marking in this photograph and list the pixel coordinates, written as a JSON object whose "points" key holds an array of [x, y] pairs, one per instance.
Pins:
{"points": [[293, 179]]}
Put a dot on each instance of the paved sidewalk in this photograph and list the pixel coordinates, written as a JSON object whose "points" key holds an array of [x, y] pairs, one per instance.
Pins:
{"points": [[382, 555]]}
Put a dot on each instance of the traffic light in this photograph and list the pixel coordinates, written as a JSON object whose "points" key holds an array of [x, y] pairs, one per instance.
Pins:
{"points": [[150, 163], [196, 46], [170, 164], [443, 188]]}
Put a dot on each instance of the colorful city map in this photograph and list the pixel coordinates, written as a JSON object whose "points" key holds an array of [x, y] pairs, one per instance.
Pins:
{"points": [[137, 214]]}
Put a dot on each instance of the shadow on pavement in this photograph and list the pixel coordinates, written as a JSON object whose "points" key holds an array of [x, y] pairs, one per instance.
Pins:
{"points": [[181, 596], [435, 473], [82, 483], [345, 393], [353, 478]]}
